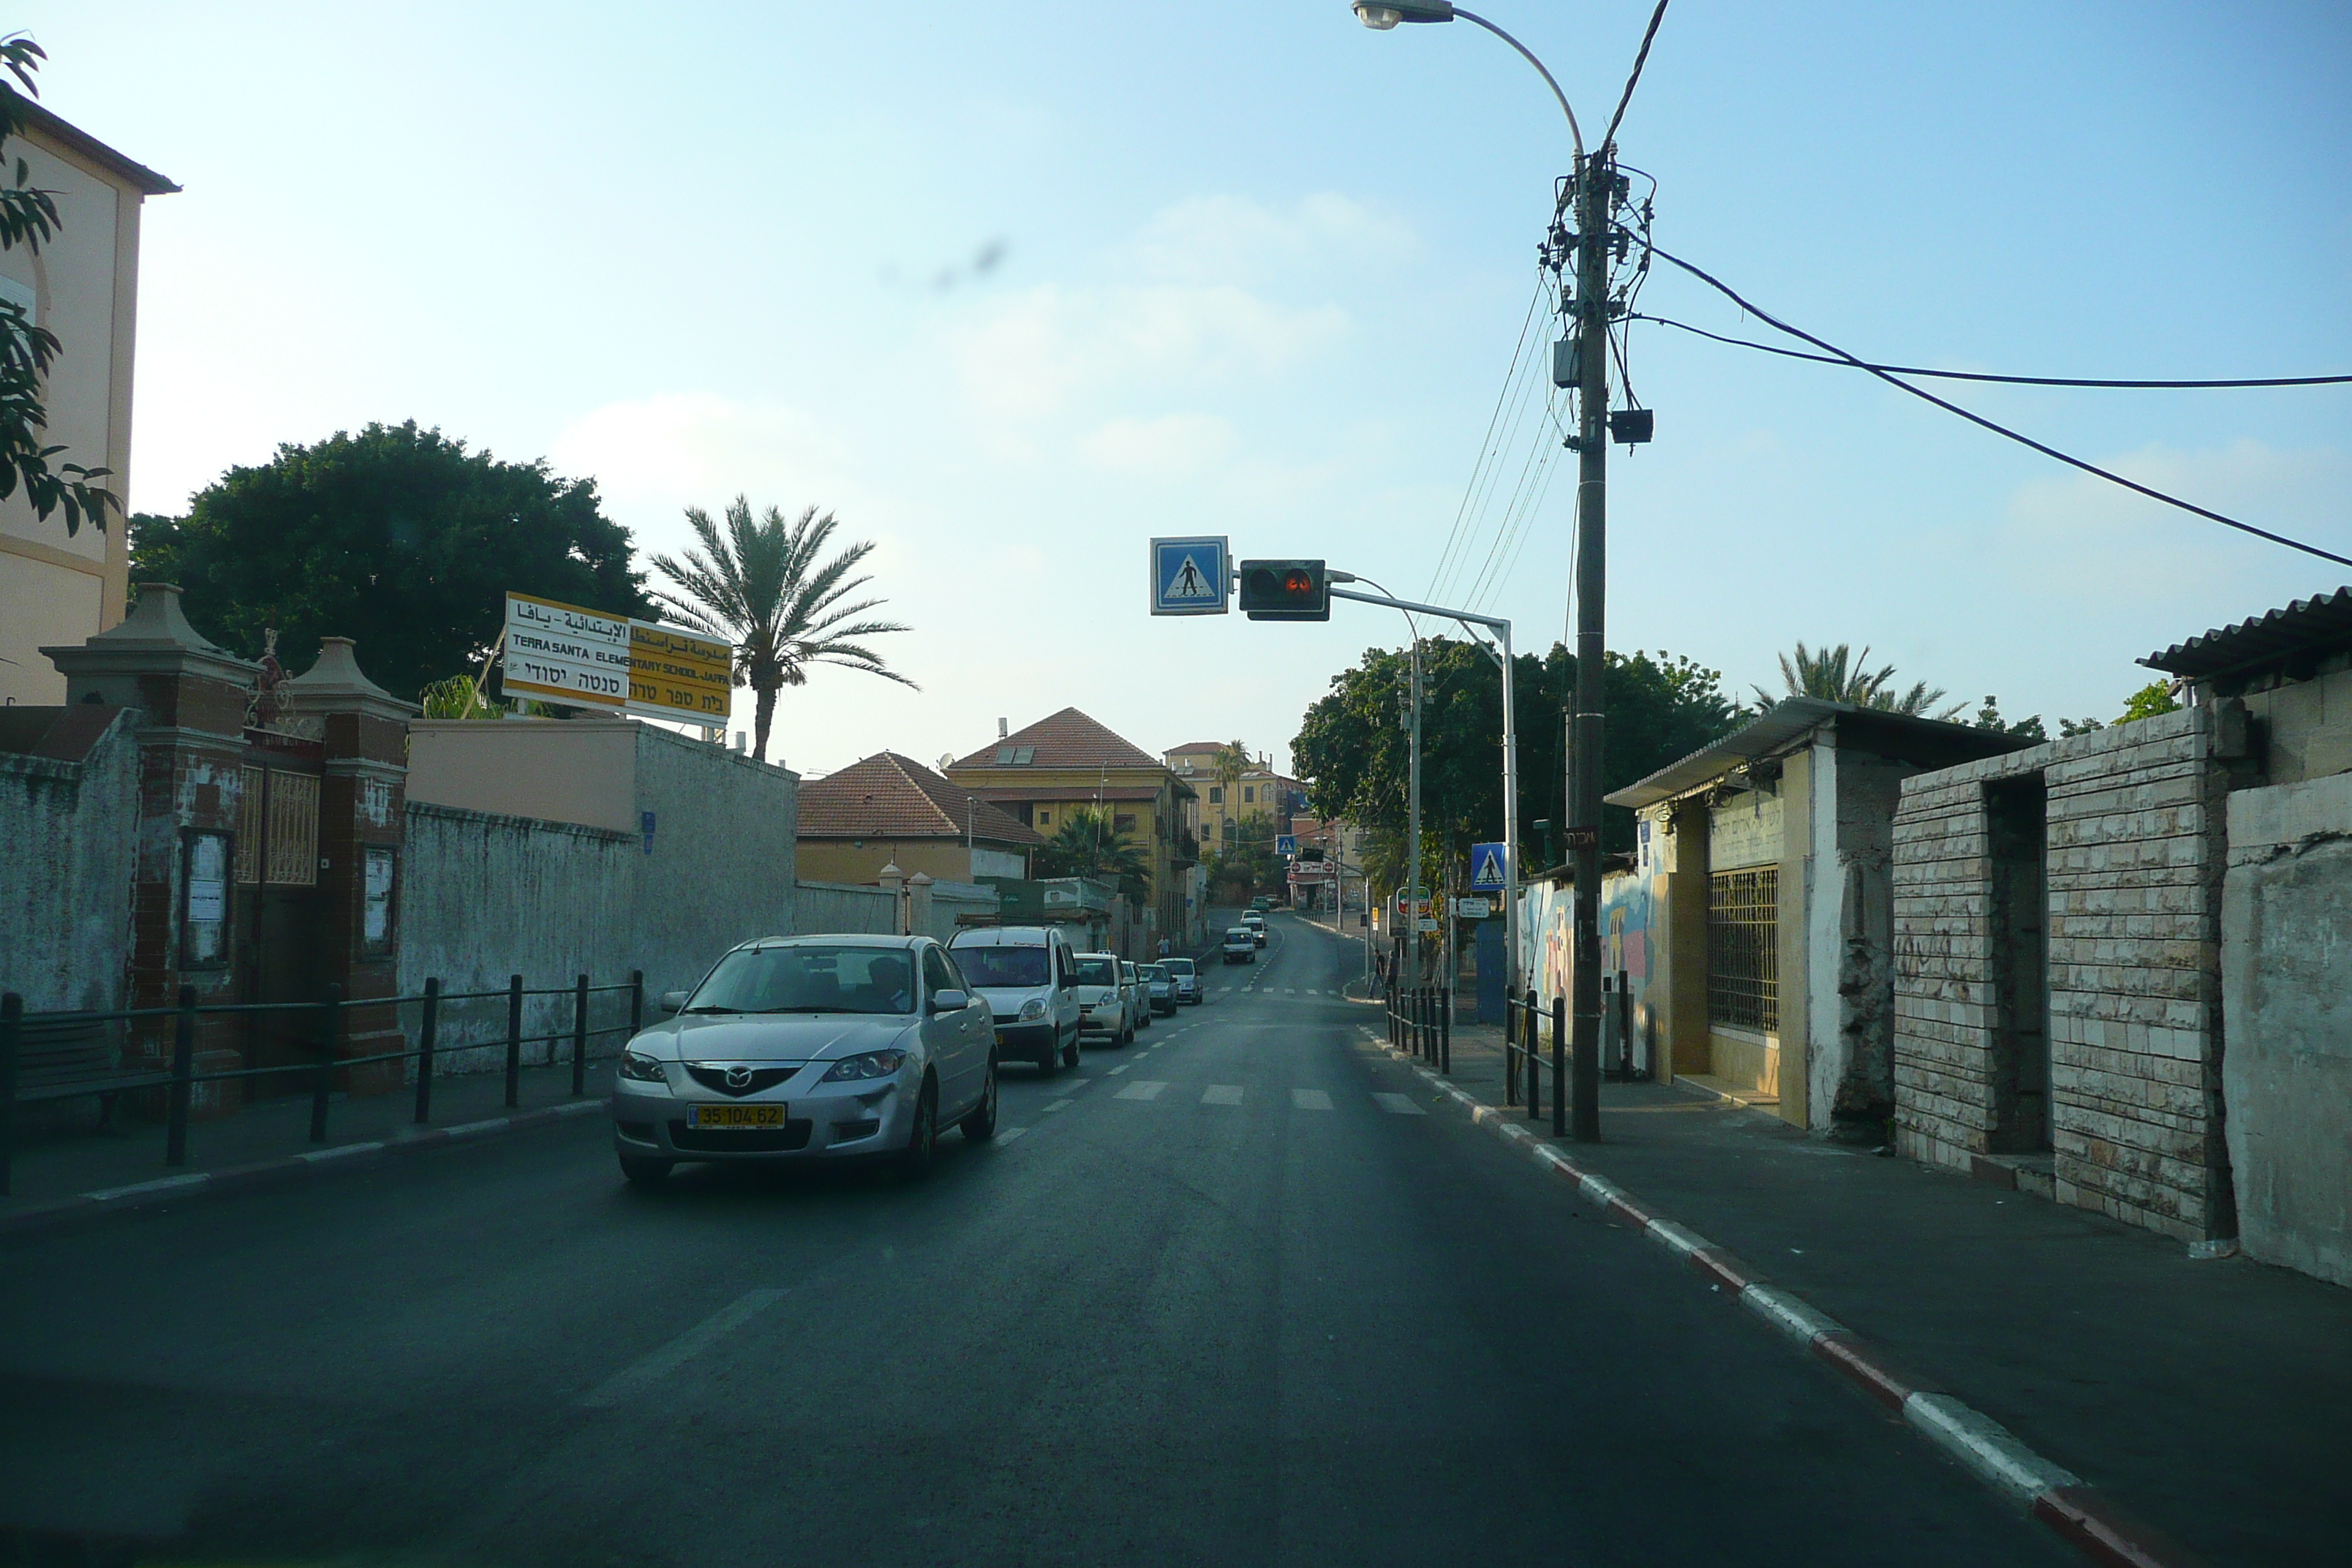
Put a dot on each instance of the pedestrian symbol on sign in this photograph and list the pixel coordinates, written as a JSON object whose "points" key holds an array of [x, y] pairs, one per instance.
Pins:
{"points": [[1189, 577], [1486, 866]]}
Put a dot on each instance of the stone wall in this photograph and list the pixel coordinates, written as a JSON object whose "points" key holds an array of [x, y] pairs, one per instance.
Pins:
{"points": [[2286, 950], [2134, 844], [69, 831]]}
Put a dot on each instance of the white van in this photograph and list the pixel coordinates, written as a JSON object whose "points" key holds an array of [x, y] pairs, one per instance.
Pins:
{"points": [[1029, 977]]}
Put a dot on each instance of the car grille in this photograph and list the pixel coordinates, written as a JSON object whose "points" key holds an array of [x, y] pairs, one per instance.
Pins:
{"points": [[715, 1074], [781, 1140]]}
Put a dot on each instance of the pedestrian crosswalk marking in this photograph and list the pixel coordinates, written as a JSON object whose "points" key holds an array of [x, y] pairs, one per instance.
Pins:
{"points": [[1309, 1100], [1116, 1071], [1398, 1105], [1142, 1088], [1061, 1105], [1222, 1094]]}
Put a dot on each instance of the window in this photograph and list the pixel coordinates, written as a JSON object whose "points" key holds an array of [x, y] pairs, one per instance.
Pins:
{"points": [[1099, 972], [1123, 823], [290, 854], [1249, 795], [1232, 830], [810, 979], [1045, 818], [1005, 966], [1743, 948], [937, 975], [1216, 795]]}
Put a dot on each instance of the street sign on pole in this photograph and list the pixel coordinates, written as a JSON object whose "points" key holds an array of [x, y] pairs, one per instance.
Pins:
{"points": [[589, 660], [1473, 909], [1487, 865], [1190, 577], [1427, 925], [1285, 844]]}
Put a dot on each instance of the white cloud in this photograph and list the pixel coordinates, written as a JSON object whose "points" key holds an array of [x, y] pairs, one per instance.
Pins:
{"points": [[696, 448], [1226, 240], [1172, 446]]}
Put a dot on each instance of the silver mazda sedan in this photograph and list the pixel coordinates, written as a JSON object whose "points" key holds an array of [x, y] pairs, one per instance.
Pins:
{"points": [[809, 1047]]}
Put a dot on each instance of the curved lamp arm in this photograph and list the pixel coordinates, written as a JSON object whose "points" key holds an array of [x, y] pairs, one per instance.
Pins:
{"points": [[1382, 14]]}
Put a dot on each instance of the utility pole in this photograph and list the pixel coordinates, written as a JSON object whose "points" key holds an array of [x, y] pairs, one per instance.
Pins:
{"points": [[1595, 198], [1412, 811]]}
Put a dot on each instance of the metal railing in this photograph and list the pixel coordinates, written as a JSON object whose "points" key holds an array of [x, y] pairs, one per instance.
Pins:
{"points": [[1522, 1056], [178, 1082], [1421, 1021]]}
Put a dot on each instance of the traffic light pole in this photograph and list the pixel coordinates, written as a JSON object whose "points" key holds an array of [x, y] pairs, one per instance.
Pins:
{"points": [[1502, 630], [1596, 180]]}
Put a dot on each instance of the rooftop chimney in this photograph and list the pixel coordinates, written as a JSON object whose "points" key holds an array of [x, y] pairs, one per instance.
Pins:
{"points": [[1001, 731]]}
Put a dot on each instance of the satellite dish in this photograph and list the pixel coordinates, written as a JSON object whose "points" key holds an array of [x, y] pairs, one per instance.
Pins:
{"points": [[947, 761]]}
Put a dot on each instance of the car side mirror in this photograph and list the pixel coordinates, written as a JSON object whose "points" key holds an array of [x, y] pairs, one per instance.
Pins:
{"points": [[950, 1000], [673, 1002]]}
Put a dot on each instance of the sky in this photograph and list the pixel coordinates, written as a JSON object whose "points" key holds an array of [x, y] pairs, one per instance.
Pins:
{"points": [[1010, 290]]}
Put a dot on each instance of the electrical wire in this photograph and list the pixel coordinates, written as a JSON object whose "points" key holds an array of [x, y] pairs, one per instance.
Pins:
{"points": [[1640, 59], [1981, 375], [1534, 300], [2048, 451], [1496, 459]]}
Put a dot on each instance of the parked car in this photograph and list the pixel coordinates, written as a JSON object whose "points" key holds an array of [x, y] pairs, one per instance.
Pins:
{"points": [[1254, 923], [1029, 978], [1185, 978], [1106, 1008], [809, 1047], [1240, 947], [1158, 990], [1138, 994]]}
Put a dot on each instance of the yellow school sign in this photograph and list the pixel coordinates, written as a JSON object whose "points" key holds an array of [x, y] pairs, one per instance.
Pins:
{"points": [[566, 653]]}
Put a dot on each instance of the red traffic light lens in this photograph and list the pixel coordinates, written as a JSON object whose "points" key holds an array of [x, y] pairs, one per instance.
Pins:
{"points": [[1297, 583]]}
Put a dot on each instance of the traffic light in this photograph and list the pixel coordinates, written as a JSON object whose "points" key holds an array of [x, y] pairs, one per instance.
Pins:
{"points": [[1284, 590]]}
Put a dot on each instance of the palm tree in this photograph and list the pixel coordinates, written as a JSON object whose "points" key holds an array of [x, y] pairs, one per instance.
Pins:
{"points": [[761, 587], [1840, 675], [1085, 844]]}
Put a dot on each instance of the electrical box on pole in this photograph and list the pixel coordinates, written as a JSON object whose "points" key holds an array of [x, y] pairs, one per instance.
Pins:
{"points": [[1284, 590]]}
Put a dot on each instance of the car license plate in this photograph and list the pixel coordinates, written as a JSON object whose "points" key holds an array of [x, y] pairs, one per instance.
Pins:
{"points": [[734, 1116]]}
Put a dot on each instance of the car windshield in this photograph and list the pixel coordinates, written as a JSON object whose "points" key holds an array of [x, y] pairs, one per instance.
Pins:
{"points": [[1239, 934], [1177, 966], [812, 979], [1153, 971], [1003, 967], [1098, 972]]}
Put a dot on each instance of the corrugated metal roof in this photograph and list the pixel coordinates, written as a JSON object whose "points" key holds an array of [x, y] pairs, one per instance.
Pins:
{"points": [[1789, 720], [2321, 625]]}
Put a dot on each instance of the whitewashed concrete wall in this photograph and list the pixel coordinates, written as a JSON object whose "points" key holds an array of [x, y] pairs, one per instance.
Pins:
{"points": [[2287, 993], [69, 835]]}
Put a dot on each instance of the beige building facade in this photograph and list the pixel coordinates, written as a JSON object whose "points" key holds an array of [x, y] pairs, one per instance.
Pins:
{"points": [[1220, 808], [59, 588]]}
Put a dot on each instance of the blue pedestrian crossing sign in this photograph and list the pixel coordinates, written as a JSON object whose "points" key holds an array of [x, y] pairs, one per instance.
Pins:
{"points": [[1285, 844], [1190, 577], [1486, 863]]}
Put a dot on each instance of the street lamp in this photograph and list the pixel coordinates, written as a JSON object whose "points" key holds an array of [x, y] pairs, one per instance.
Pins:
{"points": [[1596, 197]]}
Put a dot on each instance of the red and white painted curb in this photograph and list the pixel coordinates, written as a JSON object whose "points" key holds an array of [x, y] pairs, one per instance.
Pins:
{"points": [[2082, 1514], [271, 1172]]}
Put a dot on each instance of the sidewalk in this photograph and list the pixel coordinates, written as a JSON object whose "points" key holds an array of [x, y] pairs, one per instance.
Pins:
{"points": [[53, 1167], [2214, 1397]]}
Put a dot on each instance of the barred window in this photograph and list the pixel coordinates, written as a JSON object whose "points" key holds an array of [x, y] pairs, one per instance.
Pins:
{"points": [[1743, 948], [291, 856]]}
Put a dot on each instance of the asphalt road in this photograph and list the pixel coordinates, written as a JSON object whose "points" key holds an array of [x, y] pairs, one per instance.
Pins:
{"points": [[1239, 1293]]}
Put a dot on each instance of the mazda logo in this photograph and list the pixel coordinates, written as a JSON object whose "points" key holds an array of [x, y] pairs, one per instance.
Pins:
{"points": [[739, 1077]]}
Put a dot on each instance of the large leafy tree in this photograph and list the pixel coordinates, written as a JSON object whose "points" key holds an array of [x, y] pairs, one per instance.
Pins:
{"points": [[28, 217], [1356, 754], [765, 585], [1086, 844], [397, 537], [1247, 865]]}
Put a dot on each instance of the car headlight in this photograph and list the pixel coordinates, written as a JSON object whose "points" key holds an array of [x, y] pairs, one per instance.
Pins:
{"points": [[1034, 1008], [642, 1068], [872, 1064]]}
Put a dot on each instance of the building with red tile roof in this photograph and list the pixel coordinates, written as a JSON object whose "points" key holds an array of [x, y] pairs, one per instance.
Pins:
{"points": [[887, 808]]}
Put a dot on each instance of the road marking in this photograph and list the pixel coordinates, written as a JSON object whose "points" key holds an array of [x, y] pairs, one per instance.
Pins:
{"points": [[1058, 1105], [1077, 1082], [1309, 1100], [1222, 1094], [1010, 1133], [1312, 992], [1116, 1071], [660, 1363], [1398, 1105], [1142, 1088], [160, 1184]]}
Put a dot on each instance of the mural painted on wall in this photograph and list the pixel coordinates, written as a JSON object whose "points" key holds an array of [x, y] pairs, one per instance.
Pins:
{"points": [[1547, 931]]}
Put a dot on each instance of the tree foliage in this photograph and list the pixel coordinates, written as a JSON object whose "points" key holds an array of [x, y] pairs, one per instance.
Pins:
{"points": [[1356, 753], [1840, 675], [2149, 700], [28, 217], [396, 537], [1246, 862], [1086, 844], [763, 585]]}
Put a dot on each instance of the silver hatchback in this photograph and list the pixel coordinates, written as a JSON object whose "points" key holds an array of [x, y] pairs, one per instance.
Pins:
{"points": [[809, 1047]]}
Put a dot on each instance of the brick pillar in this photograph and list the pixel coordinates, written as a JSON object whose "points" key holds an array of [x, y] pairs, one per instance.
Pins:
{"points": [[190, 699], [362, 795]]}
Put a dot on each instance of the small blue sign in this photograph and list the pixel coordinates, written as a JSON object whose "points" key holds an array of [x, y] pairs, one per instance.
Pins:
{"points": [[646, 821], [1285, 844], [1190, 577], [1486, 866]]}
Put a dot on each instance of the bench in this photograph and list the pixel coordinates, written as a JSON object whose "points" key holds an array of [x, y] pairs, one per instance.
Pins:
{"points": [[67, 1058]]}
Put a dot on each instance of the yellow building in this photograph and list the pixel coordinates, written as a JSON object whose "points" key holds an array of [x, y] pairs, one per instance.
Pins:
{"points": [[1068, 762], [1222, 807], [889, 809], [60, 588]]}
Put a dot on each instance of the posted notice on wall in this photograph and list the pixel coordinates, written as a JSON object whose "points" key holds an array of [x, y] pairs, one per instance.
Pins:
{"points": [[564, 653]]}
